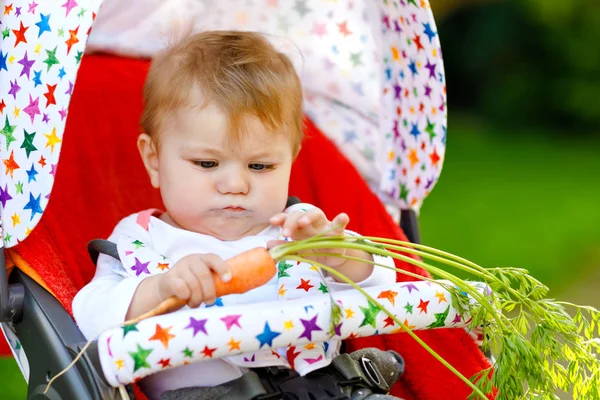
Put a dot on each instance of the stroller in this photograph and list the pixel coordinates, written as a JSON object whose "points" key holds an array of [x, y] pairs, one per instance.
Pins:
{"points": [[47, 265]]}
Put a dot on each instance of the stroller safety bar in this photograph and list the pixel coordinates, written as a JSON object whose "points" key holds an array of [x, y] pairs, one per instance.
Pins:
{"points": [[137, 350]]}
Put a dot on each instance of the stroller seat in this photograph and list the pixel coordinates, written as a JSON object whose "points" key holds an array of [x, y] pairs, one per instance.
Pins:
{"points": [[100, 179]]}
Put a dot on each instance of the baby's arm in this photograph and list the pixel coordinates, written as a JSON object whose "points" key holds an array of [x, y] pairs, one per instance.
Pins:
{"points": [[112, 297], [102, 304], [121, 290]]}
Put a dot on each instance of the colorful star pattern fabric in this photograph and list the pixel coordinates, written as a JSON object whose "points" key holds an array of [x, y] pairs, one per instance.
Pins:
{"points": [[298, 281], [413, 114], [295, 331], [371, 70], [41, 47], [16, 348]]}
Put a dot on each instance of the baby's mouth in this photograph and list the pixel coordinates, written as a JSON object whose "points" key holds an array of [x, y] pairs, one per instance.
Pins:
{"points": [[234, 209]]}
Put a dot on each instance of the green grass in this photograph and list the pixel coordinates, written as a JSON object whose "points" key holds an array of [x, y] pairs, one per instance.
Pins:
{"points": [[519, 199], [13, 383], [505, 198]]}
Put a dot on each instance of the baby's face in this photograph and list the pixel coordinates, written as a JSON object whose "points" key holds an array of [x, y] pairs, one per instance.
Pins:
{"points": [[212, 185]]}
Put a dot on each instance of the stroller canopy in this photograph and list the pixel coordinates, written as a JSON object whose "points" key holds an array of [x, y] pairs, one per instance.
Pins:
{"points": [[386, 69]]}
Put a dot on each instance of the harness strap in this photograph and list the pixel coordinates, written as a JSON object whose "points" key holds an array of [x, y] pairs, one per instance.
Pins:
{"points": [[291, 201], [368, 369], [248, 386], [349, 368], [100, 246]]}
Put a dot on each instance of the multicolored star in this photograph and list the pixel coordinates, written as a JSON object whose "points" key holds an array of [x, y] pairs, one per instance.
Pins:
{"points": [[370, 314], [7, 132], [52, 139], [129, 328], [423, 306], [440, 319], [43, 24], [231, 320], [34, 205], [305, 285], [267, 336], [233, 344], [26, 63], [282, 268], [162, 334], [208, 352], [140, 267], [69, 5], [389, 295], [310, 326], [197, 325], [20, 34]]}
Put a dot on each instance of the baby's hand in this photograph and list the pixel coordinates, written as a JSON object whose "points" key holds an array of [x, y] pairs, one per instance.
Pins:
{"points": [[300, 225], [191, 279]]}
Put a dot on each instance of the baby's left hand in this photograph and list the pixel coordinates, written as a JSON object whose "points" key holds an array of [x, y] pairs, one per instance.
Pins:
{"points": [[300, 225]]}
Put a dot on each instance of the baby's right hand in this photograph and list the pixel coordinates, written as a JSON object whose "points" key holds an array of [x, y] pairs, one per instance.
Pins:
{"points": [[191, 279]]}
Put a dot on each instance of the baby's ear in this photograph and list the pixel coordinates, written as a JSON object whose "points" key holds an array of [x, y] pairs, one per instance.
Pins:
{"points": [[149, 153]]}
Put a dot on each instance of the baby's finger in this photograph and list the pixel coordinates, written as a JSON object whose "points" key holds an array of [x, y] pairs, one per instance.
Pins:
{"points": [[184, 273], [290, 225], [178, 287], [314, 217], [218, 265], [340, 222], [206, 284], [196, 294], [278, 219]]}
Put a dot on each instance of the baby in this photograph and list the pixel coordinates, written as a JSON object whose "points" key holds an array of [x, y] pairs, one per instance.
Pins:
{"points": [[223, 124]]}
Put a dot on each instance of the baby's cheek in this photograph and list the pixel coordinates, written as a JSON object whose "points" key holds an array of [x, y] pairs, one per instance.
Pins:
{"points": [[277, 192], [273, 204], [184, 200]]}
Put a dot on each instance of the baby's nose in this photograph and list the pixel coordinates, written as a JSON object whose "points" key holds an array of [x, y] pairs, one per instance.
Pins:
{"points": [[233, 183]]}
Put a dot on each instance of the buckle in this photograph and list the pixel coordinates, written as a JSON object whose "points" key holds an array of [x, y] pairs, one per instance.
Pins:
{"points": [[374, 376], [272, 370], [288, 384]]}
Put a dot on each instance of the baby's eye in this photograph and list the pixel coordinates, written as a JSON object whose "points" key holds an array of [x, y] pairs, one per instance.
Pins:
{"points": [[260, 167], [206, 164]]}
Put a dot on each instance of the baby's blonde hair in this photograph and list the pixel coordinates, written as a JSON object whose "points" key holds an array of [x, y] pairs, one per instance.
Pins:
{"points": [[240, 72]]}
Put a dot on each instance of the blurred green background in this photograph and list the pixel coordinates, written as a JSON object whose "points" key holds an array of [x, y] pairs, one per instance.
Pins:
{"points": [[521, 179], [521, 183]]}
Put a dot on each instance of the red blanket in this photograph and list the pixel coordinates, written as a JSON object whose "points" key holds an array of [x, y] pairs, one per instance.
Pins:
{"points": [[100, 179]]}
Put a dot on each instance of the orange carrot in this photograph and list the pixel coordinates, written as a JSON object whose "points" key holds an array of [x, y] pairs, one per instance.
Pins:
{"points": [[249, 270]]}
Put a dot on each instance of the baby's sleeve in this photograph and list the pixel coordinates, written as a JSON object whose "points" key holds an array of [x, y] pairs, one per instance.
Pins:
{"points": [[383, 272], [103, 303]]}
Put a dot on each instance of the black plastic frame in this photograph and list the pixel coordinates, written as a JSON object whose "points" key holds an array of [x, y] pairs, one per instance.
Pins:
{"points": [[409, 222], [51, 340]]}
